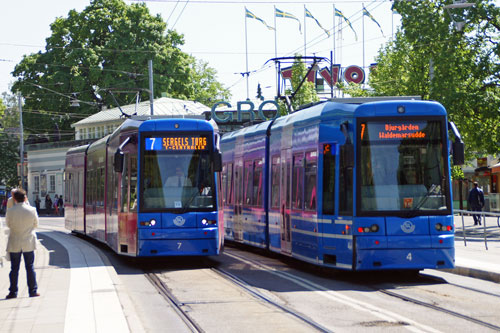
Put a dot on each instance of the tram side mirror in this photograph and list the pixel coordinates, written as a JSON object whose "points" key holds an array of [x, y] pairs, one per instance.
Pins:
{"points": [[458, 153], [347, 155], [118, 160], [217, 158]]}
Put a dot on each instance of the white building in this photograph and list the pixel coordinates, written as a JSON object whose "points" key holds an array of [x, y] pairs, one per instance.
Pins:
{"points": [[106, 121], [46, 161]]}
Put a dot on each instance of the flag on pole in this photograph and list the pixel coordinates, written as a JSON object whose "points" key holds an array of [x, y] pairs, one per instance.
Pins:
{"points": [[252, 15], [339, 14], [280, 13], [308, 14], [366, 13]]}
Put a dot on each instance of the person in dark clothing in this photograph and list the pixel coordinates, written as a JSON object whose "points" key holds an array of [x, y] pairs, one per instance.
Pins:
{"points": [[60, 205], [48, 204], [37, 204], [476, 202]]}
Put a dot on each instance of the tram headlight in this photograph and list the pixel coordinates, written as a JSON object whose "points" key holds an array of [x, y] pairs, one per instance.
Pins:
{"points": [[372, 228], [205, 221], [151, 222], [440, 227]]}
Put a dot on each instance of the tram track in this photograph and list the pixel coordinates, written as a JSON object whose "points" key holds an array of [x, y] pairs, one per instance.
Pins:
{"points": [[174, 302], [161, 287], [439, 309], [245, 286], [383, 314]]}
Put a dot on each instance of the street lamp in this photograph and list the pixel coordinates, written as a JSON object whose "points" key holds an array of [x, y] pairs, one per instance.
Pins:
{"points": [[74, 101], [458, 4]]}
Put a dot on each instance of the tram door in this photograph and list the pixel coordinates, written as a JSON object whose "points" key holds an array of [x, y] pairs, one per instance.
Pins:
{"points": [[238, 202], [285, 205]]}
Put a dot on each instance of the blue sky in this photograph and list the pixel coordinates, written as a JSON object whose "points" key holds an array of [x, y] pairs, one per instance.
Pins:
{"points": [[215, 32]]}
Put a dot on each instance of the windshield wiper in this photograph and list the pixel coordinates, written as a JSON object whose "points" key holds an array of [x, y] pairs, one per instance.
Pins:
{"points": [[189, 202], [434, 189]]}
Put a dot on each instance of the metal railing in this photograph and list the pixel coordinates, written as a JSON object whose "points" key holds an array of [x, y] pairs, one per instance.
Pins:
{"points": [[491, 218]]}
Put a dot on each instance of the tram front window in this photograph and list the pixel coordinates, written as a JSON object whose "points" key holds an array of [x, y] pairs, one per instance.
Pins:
{"points": [[402, 167], [177, 181]]}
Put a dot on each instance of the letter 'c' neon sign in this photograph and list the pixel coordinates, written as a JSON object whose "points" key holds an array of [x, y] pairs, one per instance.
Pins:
{"points": [[229, 115]]}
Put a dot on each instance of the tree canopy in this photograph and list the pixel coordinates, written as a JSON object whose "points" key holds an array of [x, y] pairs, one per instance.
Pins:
{"points": [[104, 50], [9, 143], [306, 93], [434, 58]]}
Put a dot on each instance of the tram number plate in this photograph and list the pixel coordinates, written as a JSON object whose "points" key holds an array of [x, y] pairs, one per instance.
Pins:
{"points": [[179, 244], [409, 257]]}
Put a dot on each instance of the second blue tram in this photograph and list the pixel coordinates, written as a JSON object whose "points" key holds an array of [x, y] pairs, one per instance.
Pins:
{"points": [[362, 186], [149, 189]]}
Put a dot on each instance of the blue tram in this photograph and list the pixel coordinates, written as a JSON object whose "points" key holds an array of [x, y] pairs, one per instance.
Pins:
{"points": [[355, 186], [149, 189]]}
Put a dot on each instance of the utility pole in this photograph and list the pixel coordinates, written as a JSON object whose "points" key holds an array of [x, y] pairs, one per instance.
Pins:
{"points": [[21, 144], [151, 97]]}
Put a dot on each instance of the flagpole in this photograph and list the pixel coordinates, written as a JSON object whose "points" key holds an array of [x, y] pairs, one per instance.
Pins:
{"points": [[333, 58], [392, 23], [305, 31], [276, 54], [275, 35], [246, 54], [334, 51], [363, 28]]}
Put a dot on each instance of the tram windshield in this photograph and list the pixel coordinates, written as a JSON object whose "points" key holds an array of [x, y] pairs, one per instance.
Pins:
{"points": [[402, 167], [177, 174]]}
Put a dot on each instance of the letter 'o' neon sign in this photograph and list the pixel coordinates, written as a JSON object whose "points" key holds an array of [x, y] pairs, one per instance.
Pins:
{"points": [[354, 74]]}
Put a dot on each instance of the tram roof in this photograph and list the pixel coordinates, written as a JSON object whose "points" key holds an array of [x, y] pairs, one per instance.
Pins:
{"points": [[346, 108]]}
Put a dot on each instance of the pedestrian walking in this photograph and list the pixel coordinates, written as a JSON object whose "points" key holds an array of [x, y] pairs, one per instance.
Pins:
{"points": [[22, 220], [48, 204], [56, 207], [476, 202], [60, 205], [37, 204]]}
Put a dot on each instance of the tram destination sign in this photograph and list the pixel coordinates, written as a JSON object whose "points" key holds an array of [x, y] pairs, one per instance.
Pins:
{"points": [[177, 143], [392, 131]]}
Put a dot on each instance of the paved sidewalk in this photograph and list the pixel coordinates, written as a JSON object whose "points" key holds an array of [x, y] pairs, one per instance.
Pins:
{"points": [[477, 249], [79, 289]]}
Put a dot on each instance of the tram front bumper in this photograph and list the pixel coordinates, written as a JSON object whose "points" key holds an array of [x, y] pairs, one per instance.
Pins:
{"points": [[184, 242], [420, 252]]}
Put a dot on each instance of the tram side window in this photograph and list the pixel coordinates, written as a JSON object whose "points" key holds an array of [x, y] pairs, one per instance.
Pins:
{"points": [[224, 184], [248, 181], [97, 185], [310, 184], [297, 181], [275, 182], [230, 181], [101, 187], [110, 187], [133, 183], [124, 186], [67, 187], [345, 190], [328, 181], [257, 182], [89, 187]]}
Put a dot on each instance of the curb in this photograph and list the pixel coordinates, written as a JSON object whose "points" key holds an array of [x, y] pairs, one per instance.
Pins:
{"points": [[475, 273]]}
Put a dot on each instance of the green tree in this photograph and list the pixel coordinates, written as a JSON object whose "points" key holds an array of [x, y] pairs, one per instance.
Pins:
{"points": [[430, 57], [9, 144], [306, 93], [106, 48]]}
